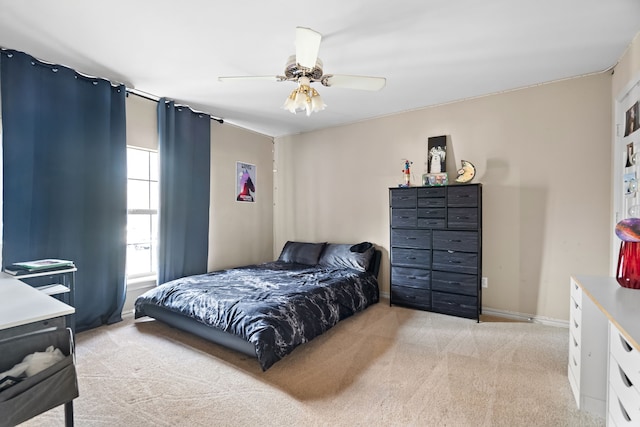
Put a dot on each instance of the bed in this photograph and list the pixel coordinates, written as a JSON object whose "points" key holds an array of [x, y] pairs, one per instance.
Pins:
{"points": [[267, 310]]}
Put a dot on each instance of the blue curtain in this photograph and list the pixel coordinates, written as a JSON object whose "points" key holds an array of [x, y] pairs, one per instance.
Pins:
{"points": [[65, 178], [184, 149]]}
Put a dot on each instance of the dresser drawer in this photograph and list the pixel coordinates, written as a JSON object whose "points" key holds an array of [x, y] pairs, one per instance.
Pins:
{"points": [[431, 223], [458, 305], [416, 239], [403, 198], [576, 292], [428, 192], [574, 359], [411, 257], [626, 391], [456, 262], [431, 213], [575, 323], [465, 241], [626, 356], [462, 218], [403, 217], [455, 283], [419, 298], [431, 203], [462, 196], [411, 277], [619, 413]]}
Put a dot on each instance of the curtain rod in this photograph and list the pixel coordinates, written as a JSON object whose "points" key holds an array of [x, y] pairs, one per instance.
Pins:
{"points": [[150, 97], [133, 91]]}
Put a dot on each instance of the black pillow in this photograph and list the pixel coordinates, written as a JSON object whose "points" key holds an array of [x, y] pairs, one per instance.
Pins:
{"points": [[361, 247], [343, 256], [301, 252]]}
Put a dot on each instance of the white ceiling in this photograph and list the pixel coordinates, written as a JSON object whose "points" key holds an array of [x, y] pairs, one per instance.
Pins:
{"points": [[430, 51]]}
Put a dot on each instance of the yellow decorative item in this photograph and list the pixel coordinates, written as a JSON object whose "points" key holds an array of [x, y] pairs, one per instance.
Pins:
{"points": [[467, 172]]}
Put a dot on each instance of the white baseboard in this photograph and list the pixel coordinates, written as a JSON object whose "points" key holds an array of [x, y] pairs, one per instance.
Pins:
{"points": [[524, 317]]}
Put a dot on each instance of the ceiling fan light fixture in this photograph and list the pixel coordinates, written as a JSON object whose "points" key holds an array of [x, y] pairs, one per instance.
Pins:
{"points": [[304, 98], [317, 104], [290, 102]]}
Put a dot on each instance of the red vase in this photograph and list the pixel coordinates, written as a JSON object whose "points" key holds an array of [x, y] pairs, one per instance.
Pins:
{"points": [[628, 271]]}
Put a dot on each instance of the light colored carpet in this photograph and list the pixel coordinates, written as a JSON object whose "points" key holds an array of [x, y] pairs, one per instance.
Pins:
{"points": [[386, 366]]}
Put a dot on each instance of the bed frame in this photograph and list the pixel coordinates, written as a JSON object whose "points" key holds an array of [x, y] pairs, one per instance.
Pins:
{"points": [[219, 336]]}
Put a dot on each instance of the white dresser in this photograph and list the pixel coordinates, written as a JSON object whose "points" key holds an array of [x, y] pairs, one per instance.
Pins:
{"points": [[604, 355], [588, 328]]}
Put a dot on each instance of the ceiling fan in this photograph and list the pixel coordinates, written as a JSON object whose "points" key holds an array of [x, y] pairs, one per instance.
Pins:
{"points": [[305, 68]]}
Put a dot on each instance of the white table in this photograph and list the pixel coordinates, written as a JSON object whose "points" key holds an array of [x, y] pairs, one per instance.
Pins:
{"points": [[25, 309]]}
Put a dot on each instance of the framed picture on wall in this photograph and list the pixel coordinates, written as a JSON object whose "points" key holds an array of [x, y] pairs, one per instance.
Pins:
{"points": [[245, 182], [632, 121]]}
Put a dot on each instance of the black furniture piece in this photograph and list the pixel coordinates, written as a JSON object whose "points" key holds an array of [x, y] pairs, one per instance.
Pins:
{"points": [[436, 249], [54, 386]]}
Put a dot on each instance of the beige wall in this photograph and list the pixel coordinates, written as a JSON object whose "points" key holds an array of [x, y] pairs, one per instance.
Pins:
{"points": [[142, 122], [627, 71], [240, 233], [542, 154]]}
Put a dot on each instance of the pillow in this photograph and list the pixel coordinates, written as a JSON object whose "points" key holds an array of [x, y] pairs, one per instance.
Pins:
{"points": [[347, 256], [301, 252]]}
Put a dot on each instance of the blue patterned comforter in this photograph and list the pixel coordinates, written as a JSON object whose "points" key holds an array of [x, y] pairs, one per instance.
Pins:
{"points": [[276, 306]]}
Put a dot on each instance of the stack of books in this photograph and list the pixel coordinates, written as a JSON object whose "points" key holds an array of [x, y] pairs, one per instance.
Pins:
{"points": [[38, 266]]}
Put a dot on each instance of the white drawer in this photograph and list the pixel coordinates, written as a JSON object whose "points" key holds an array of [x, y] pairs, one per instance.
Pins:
{"points": [[618, 413], [575, 386], [625, 390], [575, 362], [575, 325], [575, 307], [576, 292], [627, 357]]}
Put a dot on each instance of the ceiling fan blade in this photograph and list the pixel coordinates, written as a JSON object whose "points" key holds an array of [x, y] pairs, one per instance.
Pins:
{"points": [[307, 46], [244, 78], [354, 82]]}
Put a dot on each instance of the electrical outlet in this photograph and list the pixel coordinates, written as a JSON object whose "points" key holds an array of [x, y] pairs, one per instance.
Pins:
{"points": [[485, 282]]}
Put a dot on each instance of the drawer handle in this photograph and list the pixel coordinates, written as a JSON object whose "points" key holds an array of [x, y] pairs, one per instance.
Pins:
{"points": [[451, 252], [454, 283], [625, 345], [411, 277], [625, 379], [411, 257], [624, 412], [455, 240], [454, 261], [462, 196], [462, 217]]}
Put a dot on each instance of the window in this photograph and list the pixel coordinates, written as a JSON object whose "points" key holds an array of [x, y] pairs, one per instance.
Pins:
{"points": [[142, 212]]}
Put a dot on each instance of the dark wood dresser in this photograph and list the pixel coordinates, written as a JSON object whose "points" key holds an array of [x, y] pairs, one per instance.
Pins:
{"points": [[436, 248]]}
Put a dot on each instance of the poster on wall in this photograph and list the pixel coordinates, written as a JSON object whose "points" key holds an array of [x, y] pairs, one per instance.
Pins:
{"points": [[245, 182]]}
